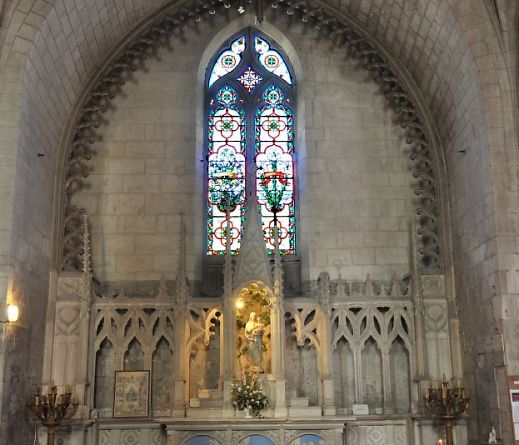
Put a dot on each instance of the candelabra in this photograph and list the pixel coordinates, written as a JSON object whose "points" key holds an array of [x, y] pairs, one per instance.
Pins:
{"points": [[446, 403], [50, 409]]}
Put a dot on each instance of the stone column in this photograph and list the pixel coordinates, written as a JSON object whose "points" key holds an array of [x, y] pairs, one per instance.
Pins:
{"points": [[228, 342], [84, 322], [84, 337], [325, 338], [386, 381], [49, 328], [277, 339], [228, 354], [68, 327], [180, 327], [179, 382], [419, 325], [277, 376]]}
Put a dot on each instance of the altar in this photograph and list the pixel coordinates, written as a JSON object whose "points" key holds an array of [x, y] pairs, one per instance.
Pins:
{"points": [[240, 431], [343, 348]]}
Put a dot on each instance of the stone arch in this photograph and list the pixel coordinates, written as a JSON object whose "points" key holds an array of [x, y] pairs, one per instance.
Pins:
{"points": [[410, 116], [201, 439], [254, 439], [307, 438]]}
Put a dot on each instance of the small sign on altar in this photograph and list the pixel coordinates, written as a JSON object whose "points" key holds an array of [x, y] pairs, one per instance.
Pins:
{"points": [[360, 410]]}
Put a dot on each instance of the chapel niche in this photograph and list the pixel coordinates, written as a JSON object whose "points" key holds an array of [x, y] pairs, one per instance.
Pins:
{"points": [[343, 342], [253, 351]]}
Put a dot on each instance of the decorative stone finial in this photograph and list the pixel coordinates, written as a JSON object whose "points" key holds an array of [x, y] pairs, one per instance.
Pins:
{"points": [[253, 262], [492, 436]]}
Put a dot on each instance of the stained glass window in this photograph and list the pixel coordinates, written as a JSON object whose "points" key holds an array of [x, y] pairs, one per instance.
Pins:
{"points": [[228, 60], [250, 79], [225, 170], [275, 169], [272, 60], [250, 143]]}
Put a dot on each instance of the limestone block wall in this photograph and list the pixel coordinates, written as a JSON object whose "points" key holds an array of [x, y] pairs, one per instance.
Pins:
{"points": [[356, 195], [143, 174], [355, 198]]}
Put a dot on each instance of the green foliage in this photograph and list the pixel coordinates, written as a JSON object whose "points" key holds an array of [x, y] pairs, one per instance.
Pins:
{"points": [[248, 393]]}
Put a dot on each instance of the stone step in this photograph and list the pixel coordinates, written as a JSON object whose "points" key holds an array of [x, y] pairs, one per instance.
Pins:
{"points": [[298, 402], [211, 403], [309, 411], [212, 394], [290, 394], [205, 413]]}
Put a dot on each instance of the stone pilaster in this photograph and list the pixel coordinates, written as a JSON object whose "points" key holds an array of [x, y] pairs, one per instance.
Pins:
{"points": [[325, 334]]}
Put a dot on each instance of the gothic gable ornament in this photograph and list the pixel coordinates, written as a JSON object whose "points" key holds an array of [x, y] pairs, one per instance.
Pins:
{"points": [[253, 262]]}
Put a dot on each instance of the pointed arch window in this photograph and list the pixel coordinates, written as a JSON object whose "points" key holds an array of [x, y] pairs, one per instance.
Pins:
{"points": [[250, 97]]}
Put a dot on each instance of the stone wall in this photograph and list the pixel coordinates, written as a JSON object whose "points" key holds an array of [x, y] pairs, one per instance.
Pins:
{"points": [[451, 49]]}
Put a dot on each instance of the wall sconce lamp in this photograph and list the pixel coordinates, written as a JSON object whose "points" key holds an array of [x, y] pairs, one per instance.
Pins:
{"points": [[240, 304], [13, 313]]}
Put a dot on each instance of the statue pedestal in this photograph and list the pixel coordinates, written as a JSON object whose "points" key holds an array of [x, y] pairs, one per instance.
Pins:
{"points": [[276, 394]]}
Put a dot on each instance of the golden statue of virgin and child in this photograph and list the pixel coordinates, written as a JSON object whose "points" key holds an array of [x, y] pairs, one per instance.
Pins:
{"points": [[254, 330], [252, 342]]}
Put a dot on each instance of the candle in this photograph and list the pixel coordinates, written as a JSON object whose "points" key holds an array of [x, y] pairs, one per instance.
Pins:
{"points": [[440, 442]]}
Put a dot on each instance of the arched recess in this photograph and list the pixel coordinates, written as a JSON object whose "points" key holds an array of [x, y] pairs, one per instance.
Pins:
{"points": [[308, 438], [255, 439], [397, 89], [201, 439], [281, 40]]}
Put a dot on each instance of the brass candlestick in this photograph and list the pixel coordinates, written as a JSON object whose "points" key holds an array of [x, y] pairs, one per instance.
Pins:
{"points": [[50, 409], [447, 403]]}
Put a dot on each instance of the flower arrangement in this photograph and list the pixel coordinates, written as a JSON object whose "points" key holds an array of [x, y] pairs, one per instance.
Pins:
{"points": [[248, 393]]}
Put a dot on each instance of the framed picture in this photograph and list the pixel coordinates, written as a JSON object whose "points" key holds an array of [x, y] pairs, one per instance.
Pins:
{"points": [[132, 393]]}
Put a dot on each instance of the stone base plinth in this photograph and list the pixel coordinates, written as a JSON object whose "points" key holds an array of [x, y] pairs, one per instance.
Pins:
{"points": [[236, 430]]}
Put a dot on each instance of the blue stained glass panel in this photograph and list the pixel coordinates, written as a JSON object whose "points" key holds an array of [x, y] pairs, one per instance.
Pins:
{"points": [[246, 133], [272, 60], [309, 439], [202, 440], [275, 189], [256, 439], [228, 60], [225, 171]]}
